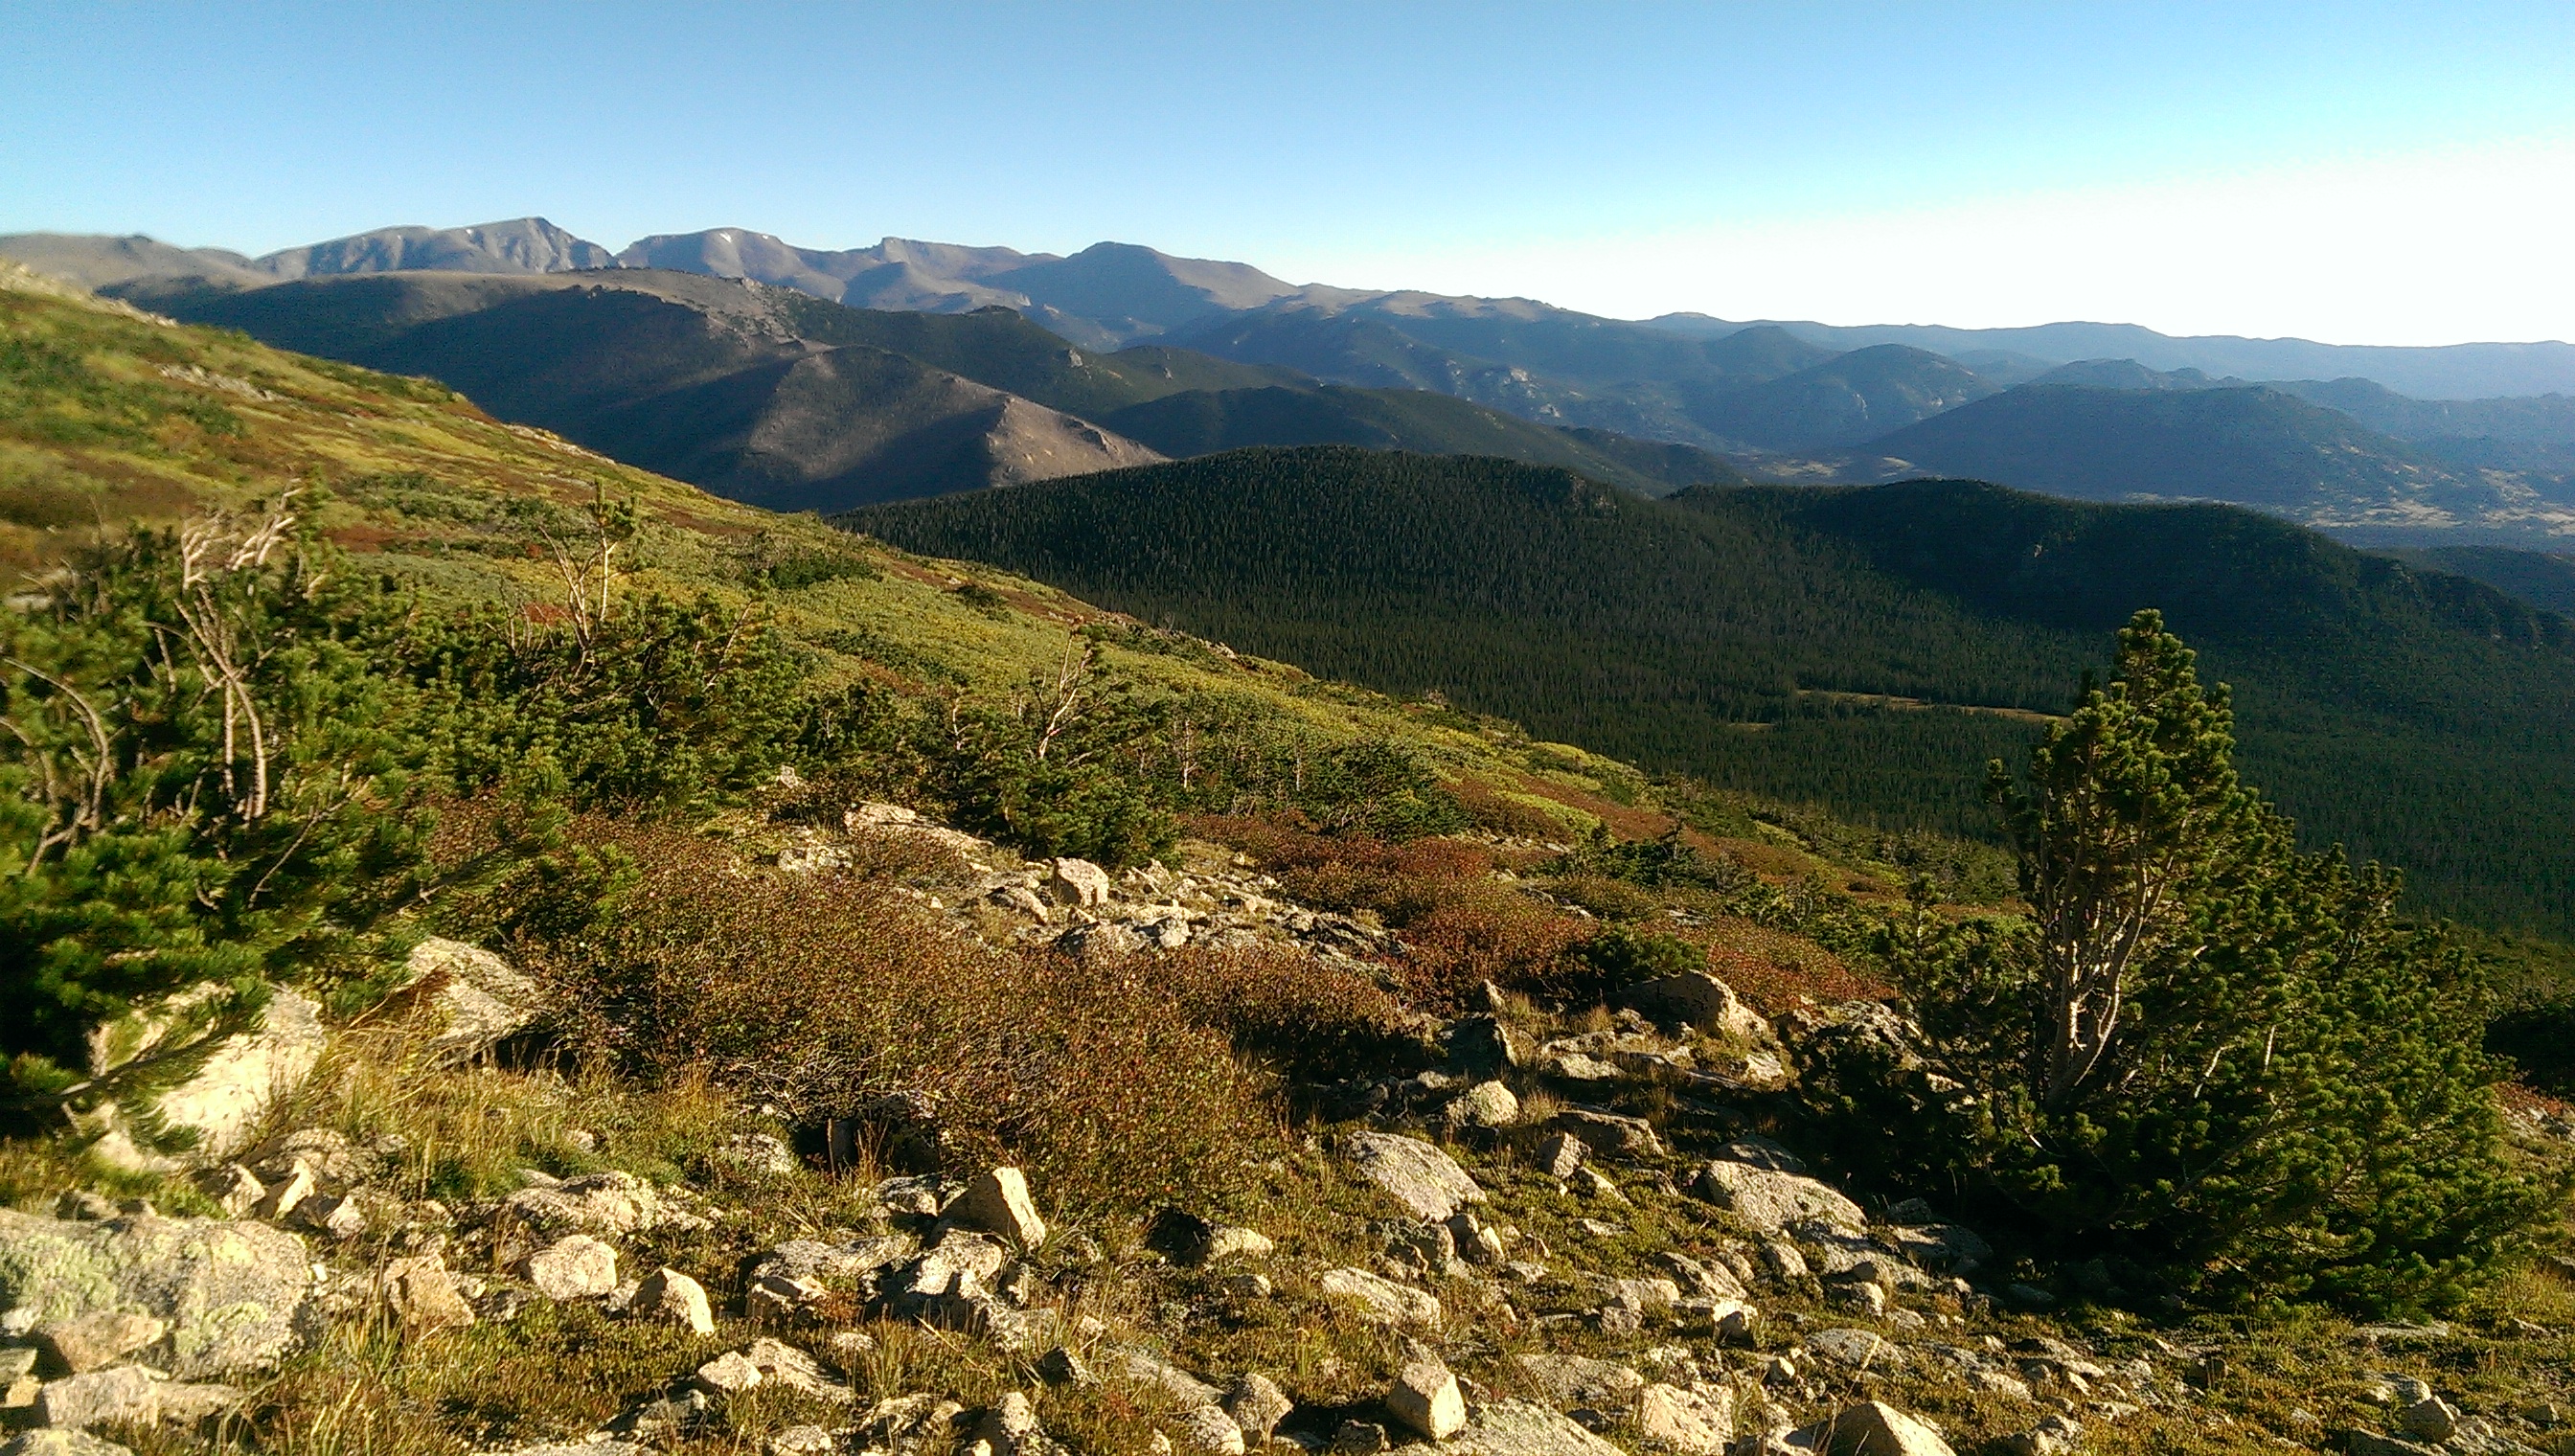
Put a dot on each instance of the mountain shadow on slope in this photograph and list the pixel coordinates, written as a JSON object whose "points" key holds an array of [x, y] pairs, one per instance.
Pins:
{"points": [[1863, 648]]}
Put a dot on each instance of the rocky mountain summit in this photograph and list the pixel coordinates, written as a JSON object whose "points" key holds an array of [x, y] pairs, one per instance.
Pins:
{"points": [[1540, 1234]]}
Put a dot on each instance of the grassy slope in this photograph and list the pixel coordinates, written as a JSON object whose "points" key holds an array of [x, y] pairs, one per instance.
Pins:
{"points": [[1758, 636], [425, 485]]}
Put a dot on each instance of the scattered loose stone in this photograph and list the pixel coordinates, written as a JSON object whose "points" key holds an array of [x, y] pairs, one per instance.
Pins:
{"points": [[1359, 1438], [424, 1296], [1080, 883], [233, 1188], [727, 1374], [1560, 1154], [1485, 1105], [1872, 1428], [1771, 1202], [576, 1266], [1417, 1174], [1695, 1422], [669, 1295], [1427, 1399], [998, 1201], [1574, 1380], [1515, 1428], [1381, 1300], [1209, 1430], [1257, 1406]]}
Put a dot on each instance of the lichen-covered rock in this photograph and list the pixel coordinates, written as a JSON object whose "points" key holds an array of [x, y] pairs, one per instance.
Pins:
{"points": [[1771, 1202], [61, 1441], [229, 1292], [1701, 1000], [1416, 1173], [596, 1203], [575, 1267], [96, 1340], [423, 1295], [1257, 1406]]}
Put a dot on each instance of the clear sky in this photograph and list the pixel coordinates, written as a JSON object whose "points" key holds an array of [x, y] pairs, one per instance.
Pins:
{"points": [[2357, 172]]}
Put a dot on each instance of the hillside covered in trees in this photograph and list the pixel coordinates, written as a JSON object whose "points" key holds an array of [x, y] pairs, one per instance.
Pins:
{"points": [[1868, 650]]}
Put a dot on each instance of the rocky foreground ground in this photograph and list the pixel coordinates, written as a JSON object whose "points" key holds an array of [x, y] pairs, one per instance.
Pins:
{"points": [[1563, 1237]]}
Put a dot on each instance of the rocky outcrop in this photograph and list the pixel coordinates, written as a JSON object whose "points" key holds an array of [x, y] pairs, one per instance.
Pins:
{"points": [[478, 999], [230, 1083], [228, 1295]]}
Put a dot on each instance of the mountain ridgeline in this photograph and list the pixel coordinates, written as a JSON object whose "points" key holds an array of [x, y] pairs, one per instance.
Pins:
{"points": [[1864, 648]]}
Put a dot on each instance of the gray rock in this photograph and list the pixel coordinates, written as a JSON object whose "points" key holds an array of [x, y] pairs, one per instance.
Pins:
{"points": [[1859, 1349], [1178, 1386], [1561, 1155], [1574, 1380], [234, 1189], [1771, 1202], [1762, 1152], [423, 1295], [1713, 1281], [61, 1441], [1426, 1400], [997, 1202], [1699, 999], [1514, 1428], [1485, 1105], [97, 1339], [730, 1373], [2428, 1419], [1380, 1300], [1209, 1431], [1107, 941], [1693, 1422], [1011, 1429], [1078, 882], [1359, 1438], [1417, 1174], [575, 1267], [1257, 1406], [229, 1292], [596, 1203], [478, 998], [1872, 1428], [674, 1298], [127, 1395], [1620, 1135]]}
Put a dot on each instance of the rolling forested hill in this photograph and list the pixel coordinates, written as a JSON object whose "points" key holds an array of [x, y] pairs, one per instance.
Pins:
{"points": [[1205, 422], [1868, 650]]}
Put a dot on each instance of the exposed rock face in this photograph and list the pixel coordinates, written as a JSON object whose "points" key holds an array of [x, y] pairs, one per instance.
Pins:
{"points": [[1771, 1202], [229, 1293], [479, 998], [1417, 1174], [1571, 1380]]}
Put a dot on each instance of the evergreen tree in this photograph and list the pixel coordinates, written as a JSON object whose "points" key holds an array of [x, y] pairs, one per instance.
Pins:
{"points": [[2205, 1052]]}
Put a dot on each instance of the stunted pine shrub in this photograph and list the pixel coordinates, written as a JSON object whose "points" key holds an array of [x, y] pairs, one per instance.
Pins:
{"points": [[825, 994]]}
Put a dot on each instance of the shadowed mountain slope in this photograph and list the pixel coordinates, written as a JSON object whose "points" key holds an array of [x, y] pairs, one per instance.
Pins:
{"points": [[1859, 648], [1205, 422], [2249, 446]]}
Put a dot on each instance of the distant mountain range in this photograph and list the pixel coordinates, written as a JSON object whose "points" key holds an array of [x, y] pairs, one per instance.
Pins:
{"points": [[2387, 445]]}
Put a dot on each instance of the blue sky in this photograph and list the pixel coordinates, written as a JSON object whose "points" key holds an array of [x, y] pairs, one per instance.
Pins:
{"points": [[2359, 173]]}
